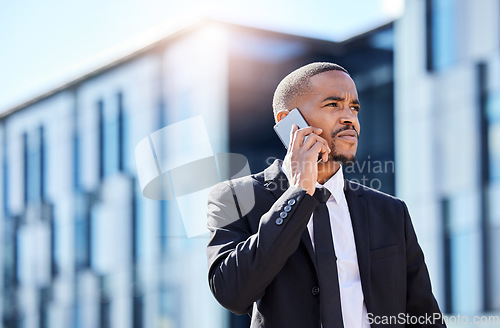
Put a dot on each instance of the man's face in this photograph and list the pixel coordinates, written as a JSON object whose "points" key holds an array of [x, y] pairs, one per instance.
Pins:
{"points": [[333, 105]]}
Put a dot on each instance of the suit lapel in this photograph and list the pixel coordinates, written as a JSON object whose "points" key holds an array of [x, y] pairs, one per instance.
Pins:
{"points": [[277, 182], [357, 210]]}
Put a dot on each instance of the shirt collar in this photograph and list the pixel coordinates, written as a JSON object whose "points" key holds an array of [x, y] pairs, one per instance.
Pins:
{"points": [[335, 184]]}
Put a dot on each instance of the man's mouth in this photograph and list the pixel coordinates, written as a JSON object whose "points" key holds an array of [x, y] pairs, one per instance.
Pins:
{"points": [[348, 134]]}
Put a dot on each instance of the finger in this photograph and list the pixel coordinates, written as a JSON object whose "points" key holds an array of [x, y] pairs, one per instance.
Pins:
{"points": [[317, 148], [300, 135], [292, 135], [312, 139], [324, 157]]}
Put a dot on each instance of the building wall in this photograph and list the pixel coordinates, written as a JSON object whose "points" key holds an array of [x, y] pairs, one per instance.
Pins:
{"points": [[446, 125], [82, 246]]}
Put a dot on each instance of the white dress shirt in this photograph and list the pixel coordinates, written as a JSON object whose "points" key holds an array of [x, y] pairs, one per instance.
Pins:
{"points": [[351, 294]]}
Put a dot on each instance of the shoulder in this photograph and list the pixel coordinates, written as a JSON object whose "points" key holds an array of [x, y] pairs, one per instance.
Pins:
{"points": [[236, 197], [241, 192], [230, 186], [381, 206]]}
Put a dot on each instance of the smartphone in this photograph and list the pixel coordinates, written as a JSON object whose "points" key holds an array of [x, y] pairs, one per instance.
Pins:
{"points": [[284, 126]]}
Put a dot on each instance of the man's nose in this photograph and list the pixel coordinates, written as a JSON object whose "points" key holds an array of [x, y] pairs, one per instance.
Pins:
{"points": [[347, 121], [348, 117]]}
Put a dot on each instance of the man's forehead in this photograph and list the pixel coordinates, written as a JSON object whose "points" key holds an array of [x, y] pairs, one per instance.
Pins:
{"points": [[333, 84], [334, 76]]}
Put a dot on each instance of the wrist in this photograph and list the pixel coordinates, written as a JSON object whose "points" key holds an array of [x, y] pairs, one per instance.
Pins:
{"points": [[308, 189]]}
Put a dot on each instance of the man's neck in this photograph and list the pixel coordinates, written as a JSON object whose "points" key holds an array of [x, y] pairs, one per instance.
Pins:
{"points": [[327, 170]]}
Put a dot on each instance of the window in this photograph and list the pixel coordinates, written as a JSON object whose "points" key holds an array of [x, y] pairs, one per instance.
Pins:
{"points": [[445, 215], [35, 149], [111, 137], [100, 137], [122, 145], [137, 224], [463, 252], [104, 303], [138, 312], [10, 255], [44, 307], [54, 234], [493, 136], [33, 167], [43, 162], [82, 231], [25, 167], [5, 186], [440, 34], [76, 160], [163, 226]]}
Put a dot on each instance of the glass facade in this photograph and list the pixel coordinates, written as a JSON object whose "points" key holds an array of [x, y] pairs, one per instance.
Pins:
{"points": [[82, 247], [442, 48], [464, 238], [492, 194], [447, 117]]}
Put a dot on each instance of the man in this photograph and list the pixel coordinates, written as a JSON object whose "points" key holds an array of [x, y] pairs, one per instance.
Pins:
{"points": [[313, 249]]}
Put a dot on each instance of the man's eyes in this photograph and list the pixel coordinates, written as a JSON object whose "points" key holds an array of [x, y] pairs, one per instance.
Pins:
{"points": [[334, 104]]}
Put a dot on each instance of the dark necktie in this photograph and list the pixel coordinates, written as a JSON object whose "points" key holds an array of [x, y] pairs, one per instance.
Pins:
{"points": [[329, 292]]}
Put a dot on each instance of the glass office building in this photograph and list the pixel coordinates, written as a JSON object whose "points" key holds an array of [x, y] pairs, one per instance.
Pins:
{"points": [[81, 246], [447, 127]]}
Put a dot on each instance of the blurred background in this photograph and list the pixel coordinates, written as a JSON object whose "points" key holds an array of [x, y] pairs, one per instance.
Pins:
{"points": [[81, 83]]}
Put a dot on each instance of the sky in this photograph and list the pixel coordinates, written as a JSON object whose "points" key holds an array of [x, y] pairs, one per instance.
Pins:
{"points": [[44, 44]]}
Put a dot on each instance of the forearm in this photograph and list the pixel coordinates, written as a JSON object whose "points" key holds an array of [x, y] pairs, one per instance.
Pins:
{"points": [[242, 263]]}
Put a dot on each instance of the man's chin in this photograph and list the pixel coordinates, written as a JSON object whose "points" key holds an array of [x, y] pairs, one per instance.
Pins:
{"points": [[346, 160]]}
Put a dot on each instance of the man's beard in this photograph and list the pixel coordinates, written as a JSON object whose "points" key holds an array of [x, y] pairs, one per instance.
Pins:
{"points": [[341, 158]]}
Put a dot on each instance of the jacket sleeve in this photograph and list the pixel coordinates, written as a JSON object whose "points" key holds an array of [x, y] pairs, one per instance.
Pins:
{"points": [[241, 263], [420, 299]]}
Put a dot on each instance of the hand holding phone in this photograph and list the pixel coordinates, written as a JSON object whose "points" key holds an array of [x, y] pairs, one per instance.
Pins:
{"points": [[283, 127], [306, 144]]}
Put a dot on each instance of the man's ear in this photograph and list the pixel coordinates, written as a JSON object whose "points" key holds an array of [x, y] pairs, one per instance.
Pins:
{"points": [[281, 114]]}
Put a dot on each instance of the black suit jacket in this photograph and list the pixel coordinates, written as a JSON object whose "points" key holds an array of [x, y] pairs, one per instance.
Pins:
{"points": [[263, 266]]}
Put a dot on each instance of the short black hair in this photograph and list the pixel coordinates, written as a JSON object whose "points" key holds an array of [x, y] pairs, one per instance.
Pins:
{"points": [[297, 83]]}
